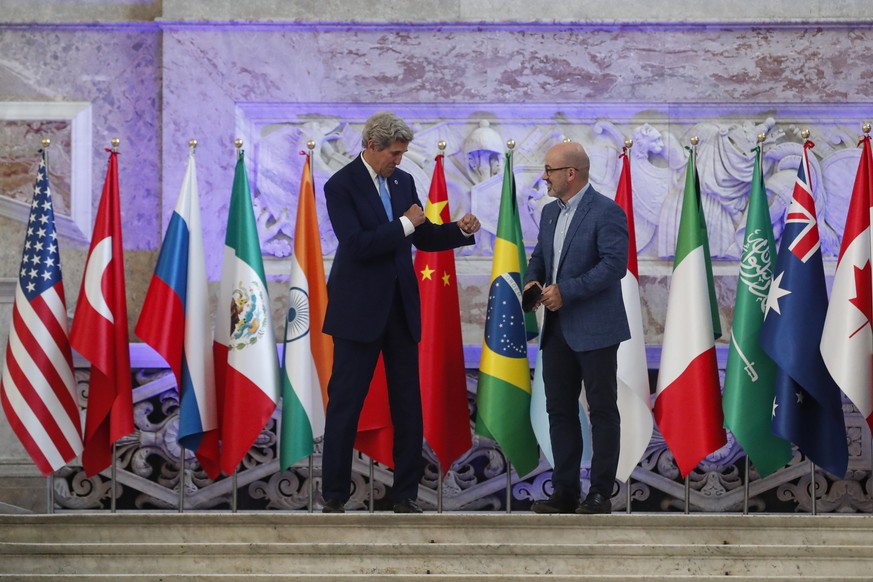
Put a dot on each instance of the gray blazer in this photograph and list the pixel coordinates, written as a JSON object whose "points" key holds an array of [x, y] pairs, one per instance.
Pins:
{"points": [[593, 262]]}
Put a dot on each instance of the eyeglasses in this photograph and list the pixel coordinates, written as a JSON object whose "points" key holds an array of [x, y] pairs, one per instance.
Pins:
{"points": [[547, 170]]}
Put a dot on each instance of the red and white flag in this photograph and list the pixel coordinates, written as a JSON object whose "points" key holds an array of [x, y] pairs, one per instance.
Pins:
{"points": [[100, 335], [634, 401], [847, 339], [38, 386]]}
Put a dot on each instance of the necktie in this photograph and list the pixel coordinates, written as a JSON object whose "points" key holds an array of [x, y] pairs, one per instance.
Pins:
{"points": [[386, 198]]}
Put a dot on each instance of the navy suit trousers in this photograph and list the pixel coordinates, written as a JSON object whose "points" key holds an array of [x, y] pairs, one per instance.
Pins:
{"points": [[564, 370], [354, 364]]}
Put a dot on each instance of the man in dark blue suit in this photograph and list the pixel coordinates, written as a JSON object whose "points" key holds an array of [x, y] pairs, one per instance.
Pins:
{"points": [[579, 261], [374, 307]]}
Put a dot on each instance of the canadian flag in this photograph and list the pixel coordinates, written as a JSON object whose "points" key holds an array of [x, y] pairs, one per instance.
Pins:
{"points": [[847, 339]]}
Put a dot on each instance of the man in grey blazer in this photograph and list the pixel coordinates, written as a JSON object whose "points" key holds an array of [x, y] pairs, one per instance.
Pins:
{"points": [[579, 261]]}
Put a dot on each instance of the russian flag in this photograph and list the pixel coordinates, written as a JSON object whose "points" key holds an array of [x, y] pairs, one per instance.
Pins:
{"points": [[175, 322]]}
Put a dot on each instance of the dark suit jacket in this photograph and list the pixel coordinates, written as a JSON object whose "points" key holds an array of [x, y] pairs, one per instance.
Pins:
{"points": [[374, 257], [593, 262]]}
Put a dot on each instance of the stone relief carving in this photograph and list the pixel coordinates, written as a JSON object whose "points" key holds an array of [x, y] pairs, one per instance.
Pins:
{"points": [[475, 161]]}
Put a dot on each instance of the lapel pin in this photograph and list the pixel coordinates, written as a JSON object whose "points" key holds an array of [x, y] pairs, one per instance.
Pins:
{"points": [[395, 182]]}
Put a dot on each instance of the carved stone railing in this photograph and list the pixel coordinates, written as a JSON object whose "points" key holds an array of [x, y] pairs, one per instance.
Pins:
{"points": [[149, 471]]}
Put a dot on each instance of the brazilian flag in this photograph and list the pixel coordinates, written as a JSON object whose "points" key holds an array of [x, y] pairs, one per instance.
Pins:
{"points": [[503, 394]]}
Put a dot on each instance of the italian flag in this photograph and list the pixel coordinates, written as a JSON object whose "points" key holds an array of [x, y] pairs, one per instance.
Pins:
{"points": [[246, 362], [688, 398], [308, 352]]}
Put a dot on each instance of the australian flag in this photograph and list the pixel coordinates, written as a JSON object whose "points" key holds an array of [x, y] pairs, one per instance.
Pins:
{"points": [[807, 409]]}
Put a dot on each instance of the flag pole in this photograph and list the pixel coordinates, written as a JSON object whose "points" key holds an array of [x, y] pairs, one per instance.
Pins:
{"points": [[372, 477], [687, 494], [439, 487], [50, 494], [233, 496], [50, 480], [812, 485], [310, 145], [508, 486], [114, 470], [113, 474], [181, 479], [311, 485]]}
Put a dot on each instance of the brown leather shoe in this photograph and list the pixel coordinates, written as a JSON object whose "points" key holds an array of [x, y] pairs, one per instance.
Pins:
{"points": [[595, 503]]}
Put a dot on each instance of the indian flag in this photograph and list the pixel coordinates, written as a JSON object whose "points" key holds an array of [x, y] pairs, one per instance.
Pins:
{"points": [[308, 351]]}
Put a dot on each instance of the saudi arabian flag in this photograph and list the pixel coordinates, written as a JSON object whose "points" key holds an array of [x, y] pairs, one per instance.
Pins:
{"points": [[246, 362], [308, 351], [750, 377], [504, 391]]}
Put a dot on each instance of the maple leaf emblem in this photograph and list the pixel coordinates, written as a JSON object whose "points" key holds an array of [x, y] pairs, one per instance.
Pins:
{"points": [[863, 299]]}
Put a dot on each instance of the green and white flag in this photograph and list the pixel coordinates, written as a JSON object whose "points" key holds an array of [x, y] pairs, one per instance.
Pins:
{"points": [[749, 383]]}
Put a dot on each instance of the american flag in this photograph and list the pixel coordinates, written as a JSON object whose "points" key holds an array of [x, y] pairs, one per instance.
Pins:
{"points": [[38, 384]]}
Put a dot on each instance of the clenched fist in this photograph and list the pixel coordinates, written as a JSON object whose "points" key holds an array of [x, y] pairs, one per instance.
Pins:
{"points": [[469, 223]]}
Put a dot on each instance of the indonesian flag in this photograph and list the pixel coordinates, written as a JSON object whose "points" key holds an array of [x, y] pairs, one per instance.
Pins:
{"points": [[175, 321], [246, 362], [634, 401], [688, 399], [308, 351], [99, 332], [847, 339]]}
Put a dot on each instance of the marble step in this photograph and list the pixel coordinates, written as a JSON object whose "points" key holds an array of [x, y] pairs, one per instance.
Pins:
{"points": [[471, 546], [292, 527], [446, 559]]}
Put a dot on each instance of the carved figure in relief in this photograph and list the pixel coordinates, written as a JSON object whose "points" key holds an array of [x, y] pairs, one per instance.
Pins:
{"points": [[725, 161]]}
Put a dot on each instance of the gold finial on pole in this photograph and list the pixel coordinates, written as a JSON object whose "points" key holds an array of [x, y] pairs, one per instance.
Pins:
{"points": [[192, 143], [510, 143], [238, 143], [310, 145], [567, 139], [46, 142], [804, 134], [628, 142], [761, 137], [115, 142], [695, 140], [441, 145], [865, 128]]}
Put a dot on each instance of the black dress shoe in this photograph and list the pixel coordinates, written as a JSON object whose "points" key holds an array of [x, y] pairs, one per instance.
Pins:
{"points": [[333, 506], [557, 503], [595, 503], [407, 506]]}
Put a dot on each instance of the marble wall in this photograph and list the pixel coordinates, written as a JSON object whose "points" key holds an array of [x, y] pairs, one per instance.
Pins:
{"points": [[277, 74]]}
